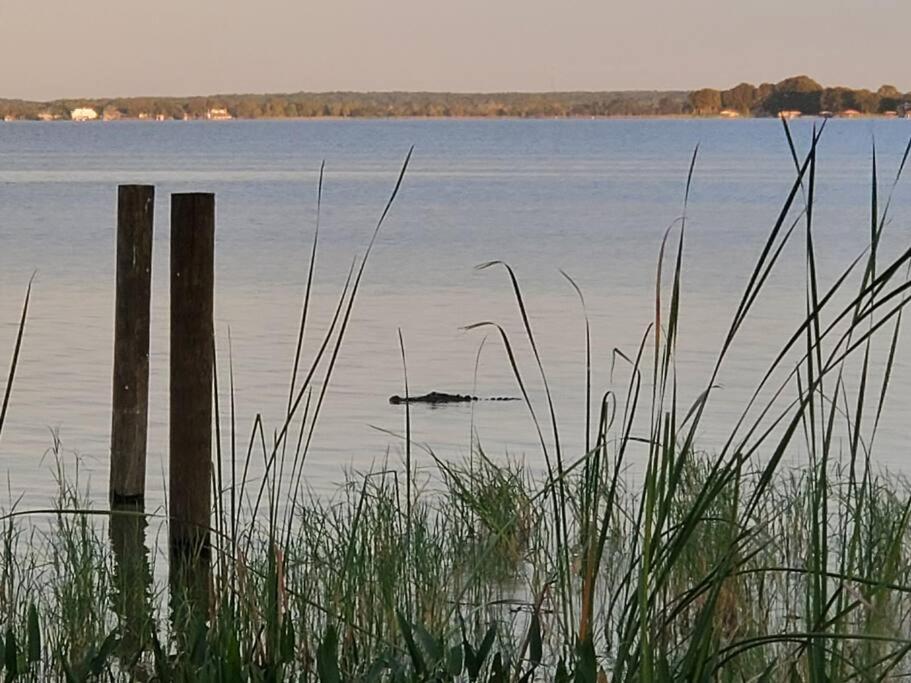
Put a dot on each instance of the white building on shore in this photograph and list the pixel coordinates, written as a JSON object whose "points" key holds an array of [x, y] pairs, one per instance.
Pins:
{"points": [[83, 114], [219, 114]]}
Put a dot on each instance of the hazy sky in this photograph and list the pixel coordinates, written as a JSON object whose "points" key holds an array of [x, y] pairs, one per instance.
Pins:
{"points": [[71, 48]]}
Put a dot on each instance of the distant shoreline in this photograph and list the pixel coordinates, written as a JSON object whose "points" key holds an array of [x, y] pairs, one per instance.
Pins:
{"points": [[626, 117], [791, 98]]}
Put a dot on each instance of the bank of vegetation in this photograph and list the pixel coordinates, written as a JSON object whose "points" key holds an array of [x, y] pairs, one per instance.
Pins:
{"points": [[784, 555], [363, 105], [797, 94]]}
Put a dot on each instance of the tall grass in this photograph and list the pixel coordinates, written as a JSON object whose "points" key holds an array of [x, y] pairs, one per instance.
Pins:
{"points": [[731, 565]]}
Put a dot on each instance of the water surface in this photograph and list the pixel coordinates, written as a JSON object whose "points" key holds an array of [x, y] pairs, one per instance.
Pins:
{"points": [[593, 198]]}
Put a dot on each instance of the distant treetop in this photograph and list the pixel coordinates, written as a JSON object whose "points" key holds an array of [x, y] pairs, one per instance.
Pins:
{"points": [[799, 95]]}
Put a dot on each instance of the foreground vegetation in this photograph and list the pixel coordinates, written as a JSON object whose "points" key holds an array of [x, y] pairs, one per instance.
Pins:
{"points": [[639, 559]]}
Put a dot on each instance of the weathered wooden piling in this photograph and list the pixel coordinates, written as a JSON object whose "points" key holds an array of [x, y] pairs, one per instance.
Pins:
{"points": [[192, 360], [130, 412], [131, 582]]}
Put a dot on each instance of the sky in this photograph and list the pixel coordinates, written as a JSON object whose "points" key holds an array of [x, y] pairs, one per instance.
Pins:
{"points": [[102, 48]]}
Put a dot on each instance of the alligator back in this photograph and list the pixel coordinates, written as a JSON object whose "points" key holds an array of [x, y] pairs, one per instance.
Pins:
{"points": [[439, 397]]}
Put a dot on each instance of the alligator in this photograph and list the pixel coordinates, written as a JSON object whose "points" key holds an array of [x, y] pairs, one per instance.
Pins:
{"points": [[438, 397]]}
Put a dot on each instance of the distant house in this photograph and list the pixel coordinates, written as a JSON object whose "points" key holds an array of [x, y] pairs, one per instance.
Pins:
{"points": [[83, 114], [890, 114], [729, 114], [219, 114], [9, 117], [826, 114], [904, 110], [111, 114], [46, 116], [790, 114], [849, 114]]}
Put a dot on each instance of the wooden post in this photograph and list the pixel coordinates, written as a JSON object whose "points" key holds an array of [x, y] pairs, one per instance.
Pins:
{"points": [[130, 412], [131, 592], [192, 360]]}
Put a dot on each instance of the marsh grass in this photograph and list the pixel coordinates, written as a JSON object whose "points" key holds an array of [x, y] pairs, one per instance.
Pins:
{"points": [[638, 559]]}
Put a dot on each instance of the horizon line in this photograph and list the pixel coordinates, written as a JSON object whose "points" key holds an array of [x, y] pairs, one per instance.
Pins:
{"points": [[372, 91], [347, 92]]}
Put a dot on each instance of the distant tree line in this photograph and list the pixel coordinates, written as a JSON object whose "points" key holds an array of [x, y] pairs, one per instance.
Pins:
{"points": [[799, 93], [377, 105]]}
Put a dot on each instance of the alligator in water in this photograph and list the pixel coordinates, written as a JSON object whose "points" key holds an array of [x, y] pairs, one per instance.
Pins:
{"points": [[437, 397]]}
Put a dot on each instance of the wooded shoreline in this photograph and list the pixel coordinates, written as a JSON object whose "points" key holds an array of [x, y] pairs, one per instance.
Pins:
{"points": [[795, 96]]}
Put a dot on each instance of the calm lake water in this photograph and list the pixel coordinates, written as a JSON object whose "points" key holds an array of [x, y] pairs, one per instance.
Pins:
{"points": [[592, 198]]}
